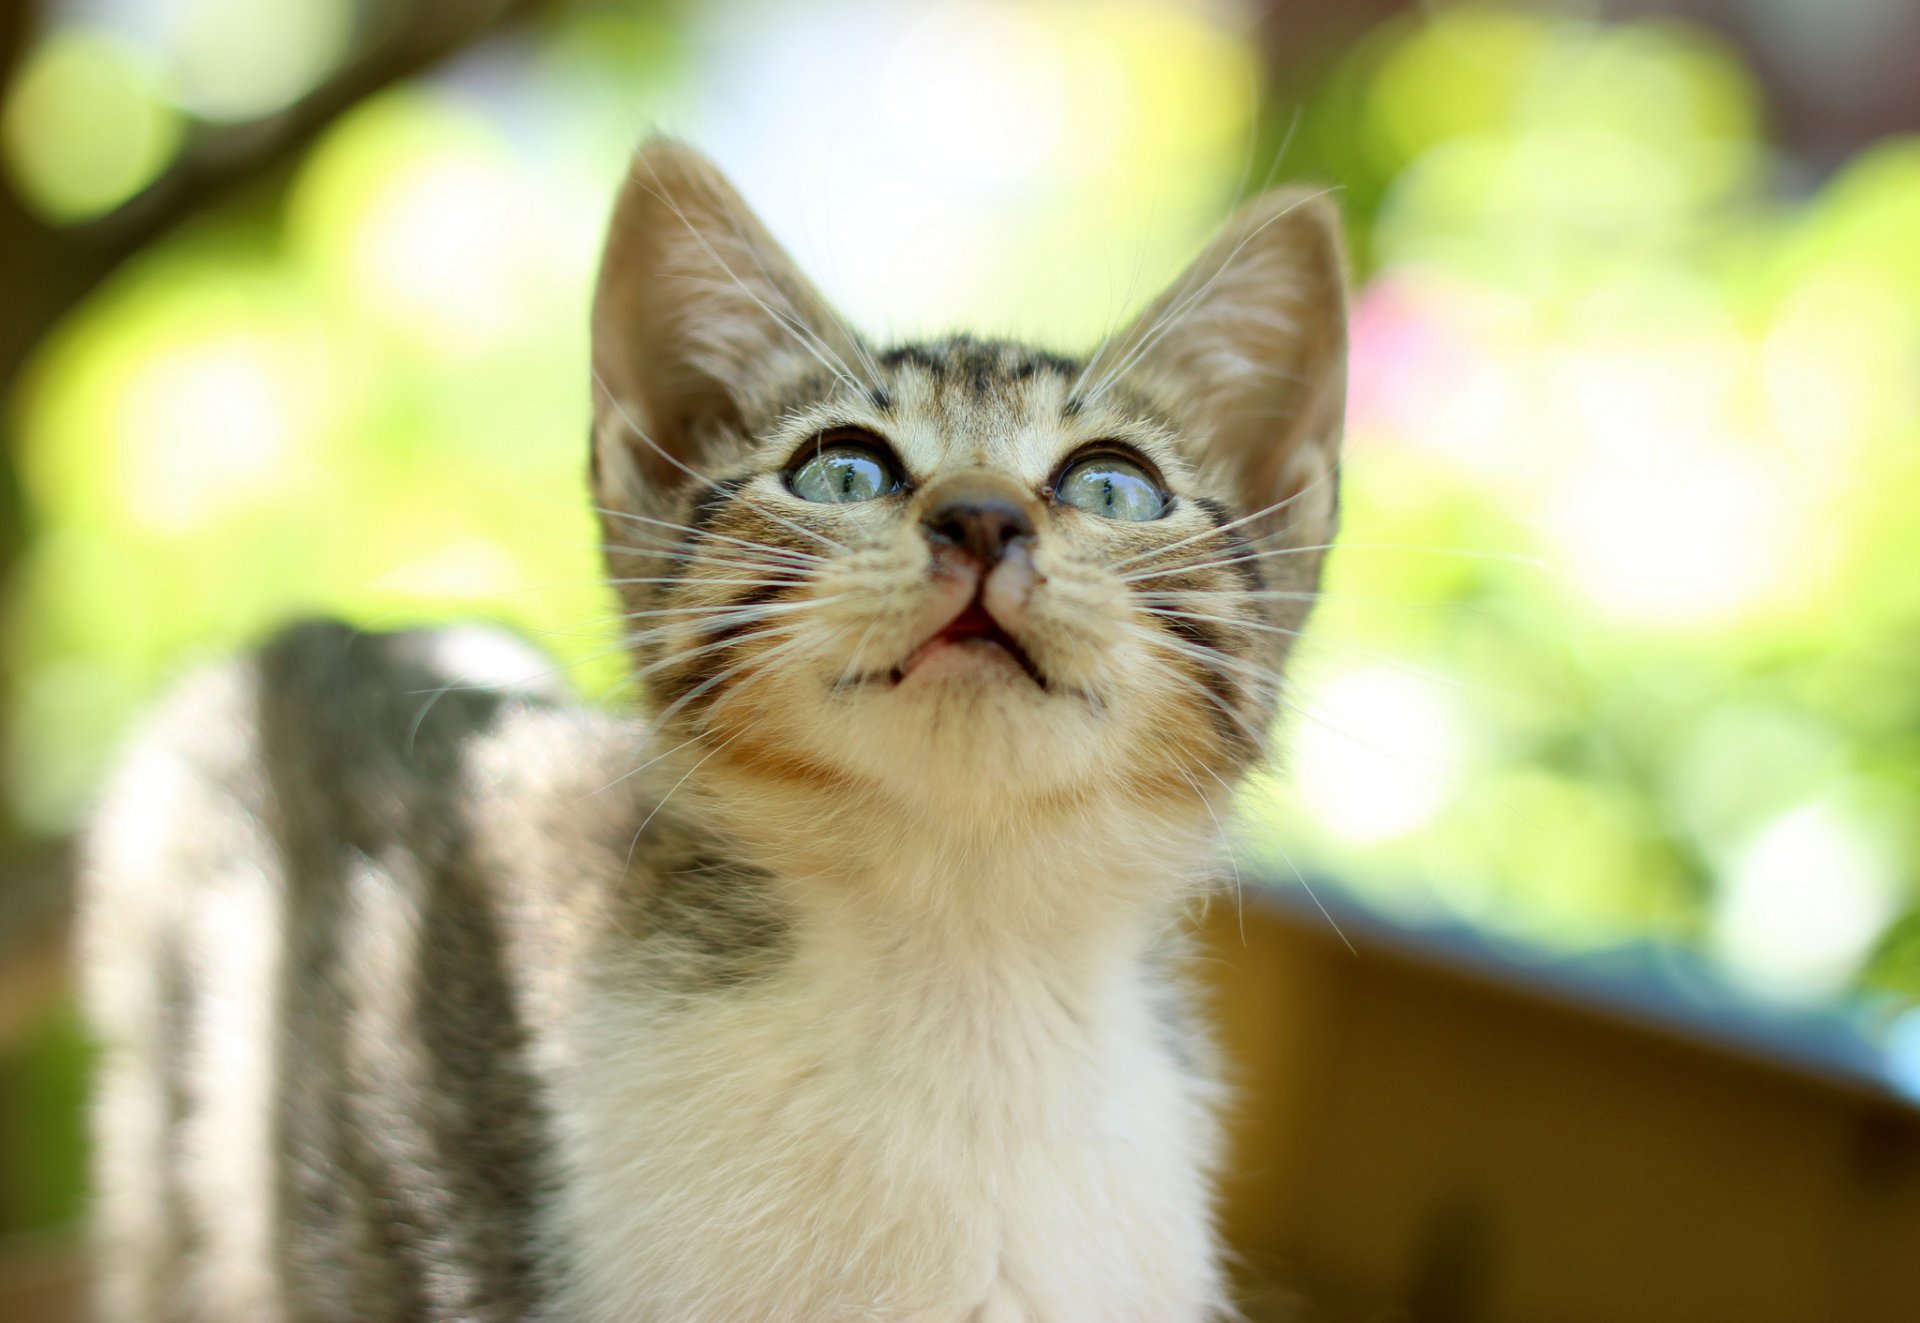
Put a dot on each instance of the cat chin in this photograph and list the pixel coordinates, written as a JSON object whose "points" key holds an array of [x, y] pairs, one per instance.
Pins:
{"points": [[972, 666], [968, 725]]}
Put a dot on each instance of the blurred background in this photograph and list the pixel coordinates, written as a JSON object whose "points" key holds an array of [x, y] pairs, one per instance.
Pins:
{"points": [[1614, 703]]}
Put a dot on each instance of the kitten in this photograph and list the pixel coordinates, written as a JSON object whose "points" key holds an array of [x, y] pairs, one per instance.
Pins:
{"points": [[843, 985]]}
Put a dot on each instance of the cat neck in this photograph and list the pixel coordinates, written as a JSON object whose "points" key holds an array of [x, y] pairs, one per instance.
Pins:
{"points": [[965, 1078], [1093, 866]]}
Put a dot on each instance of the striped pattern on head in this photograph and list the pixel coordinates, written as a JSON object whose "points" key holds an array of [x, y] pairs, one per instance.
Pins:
{"points": [[894, 565]]}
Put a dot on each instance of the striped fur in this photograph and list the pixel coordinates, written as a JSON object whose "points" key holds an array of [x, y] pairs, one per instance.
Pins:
{"points": [[831, 985]]}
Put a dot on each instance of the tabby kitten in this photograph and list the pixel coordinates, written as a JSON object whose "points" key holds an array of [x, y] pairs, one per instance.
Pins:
{"points": [[840, 986]]}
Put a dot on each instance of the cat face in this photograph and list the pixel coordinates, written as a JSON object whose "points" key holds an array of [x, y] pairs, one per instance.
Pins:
{"points": [[961, 568]]}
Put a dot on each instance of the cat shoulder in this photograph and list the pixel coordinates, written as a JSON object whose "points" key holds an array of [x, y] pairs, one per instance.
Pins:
{"points": [[326, 732]]}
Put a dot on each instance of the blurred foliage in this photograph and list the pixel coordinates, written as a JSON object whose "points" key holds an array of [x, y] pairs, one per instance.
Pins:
{"points": [[1621, 644], [86, 125], [1592, 333], [42, 1139]]}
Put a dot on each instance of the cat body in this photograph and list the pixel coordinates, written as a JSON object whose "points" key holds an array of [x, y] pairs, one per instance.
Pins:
{"points": [[842, 982]]}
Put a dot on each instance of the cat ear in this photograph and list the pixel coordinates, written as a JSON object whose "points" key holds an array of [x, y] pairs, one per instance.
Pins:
{"points": [[696, 305], [1249, 349]]}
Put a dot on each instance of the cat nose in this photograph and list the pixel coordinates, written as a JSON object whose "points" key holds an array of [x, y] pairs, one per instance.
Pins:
{"points": [[981, 523]]}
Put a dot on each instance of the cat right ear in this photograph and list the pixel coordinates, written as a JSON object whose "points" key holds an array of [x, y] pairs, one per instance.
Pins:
{"points": [[696, 304], [1248, 348]]}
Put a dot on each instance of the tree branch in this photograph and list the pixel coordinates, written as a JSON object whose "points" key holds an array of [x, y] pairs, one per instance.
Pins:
{"points": [[47, 269], [54, 267], [19, 23]]}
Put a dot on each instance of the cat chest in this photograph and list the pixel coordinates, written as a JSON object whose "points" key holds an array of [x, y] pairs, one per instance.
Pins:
{"points": [[807, 1156]]}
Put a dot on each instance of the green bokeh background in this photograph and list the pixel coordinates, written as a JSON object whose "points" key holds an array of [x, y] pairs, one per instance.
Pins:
{"points": [[1621, 646]]}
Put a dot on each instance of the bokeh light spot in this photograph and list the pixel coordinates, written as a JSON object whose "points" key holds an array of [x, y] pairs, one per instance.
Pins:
{"points": [[87, 124], [1803, 903], [1375, 753]]}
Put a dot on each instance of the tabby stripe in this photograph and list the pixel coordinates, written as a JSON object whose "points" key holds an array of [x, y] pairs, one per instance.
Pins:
{"points": [[676, 682], [715, 499], [1245, 565], [1216, 679]]}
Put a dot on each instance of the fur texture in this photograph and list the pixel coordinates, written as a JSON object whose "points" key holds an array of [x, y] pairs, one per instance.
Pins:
{"points": [[841, 983]]}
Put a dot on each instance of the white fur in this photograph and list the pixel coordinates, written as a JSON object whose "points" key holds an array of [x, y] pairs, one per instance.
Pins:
{"points": [[228, 946], [921, 1117]]}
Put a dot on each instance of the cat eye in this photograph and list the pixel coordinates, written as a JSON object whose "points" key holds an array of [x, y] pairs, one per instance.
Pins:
{"points": [[1111, 485], [836, 472]]}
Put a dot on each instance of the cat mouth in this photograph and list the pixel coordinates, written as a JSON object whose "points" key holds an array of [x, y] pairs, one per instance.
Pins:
{"points": [[974, 627]]}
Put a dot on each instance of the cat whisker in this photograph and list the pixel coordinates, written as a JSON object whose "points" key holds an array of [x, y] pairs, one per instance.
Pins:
{"points": [[792, 638], [1379, 659], [1327, 475], [805, 336], [1314, 896], [1213, 595], [1184, 307], [1239, 191], [682, 655], [1220, 832], [620, 410], [641, 830], [1210, 563], [714, 560], [723, 676], [704, 581], [433, 696], [854, 658], [761, 662], [1263, 678], [690, 531], [1469, 553], [737, 611], [644, 542], [1281, 691], [1255, 739], [1232, 622], [637, 769]]}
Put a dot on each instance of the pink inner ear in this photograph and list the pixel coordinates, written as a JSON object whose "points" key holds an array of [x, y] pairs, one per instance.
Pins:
{"points": [[695, 301], [1249, 345]]}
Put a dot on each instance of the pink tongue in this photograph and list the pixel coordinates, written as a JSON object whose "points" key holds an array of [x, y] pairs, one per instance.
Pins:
{"points": [[970, 623]]}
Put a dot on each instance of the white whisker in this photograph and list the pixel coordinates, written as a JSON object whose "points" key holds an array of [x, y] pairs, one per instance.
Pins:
{"points": [[1326, 475], [691, 531], [620, 410]]}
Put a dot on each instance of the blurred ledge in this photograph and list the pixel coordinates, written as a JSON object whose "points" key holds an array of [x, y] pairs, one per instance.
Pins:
{"points": [[1434, 1125], [1664, 989], [43, 1278]]}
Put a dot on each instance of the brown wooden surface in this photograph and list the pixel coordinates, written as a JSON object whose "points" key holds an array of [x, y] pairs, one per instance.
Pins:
{"points": [[1414, 1143], [41, 1281]]}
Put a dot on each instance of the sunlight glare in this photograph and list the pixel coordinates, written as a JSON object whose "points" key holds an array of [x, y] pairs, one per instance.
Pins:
{"points": [[1374, 754], [1804, 902]]}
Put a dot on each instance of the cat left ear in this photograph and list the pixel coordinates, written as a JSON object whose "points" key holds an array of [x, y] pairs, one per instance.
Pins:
{"points": [[696, 304], [1249, 350]]}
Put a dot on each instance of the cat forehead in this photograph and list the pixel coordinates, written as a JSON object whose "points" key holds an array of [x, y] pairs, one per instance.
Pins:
{"points": [[965, 401]]}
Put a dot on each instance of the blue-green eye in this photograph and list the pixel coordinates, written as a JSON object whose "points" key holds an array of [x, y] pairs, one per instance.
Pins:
{"points": [[1111, 485], [838, 473]]}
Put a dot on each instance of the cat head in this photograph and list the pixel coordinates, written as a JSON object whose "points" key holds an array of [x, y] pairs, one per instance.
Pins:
{"points": [[962, 568]]}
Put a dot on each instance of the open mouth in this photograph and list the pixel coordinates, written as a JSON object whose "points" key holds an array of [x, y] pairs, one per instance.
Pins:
{"points": [[973, 627]]}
